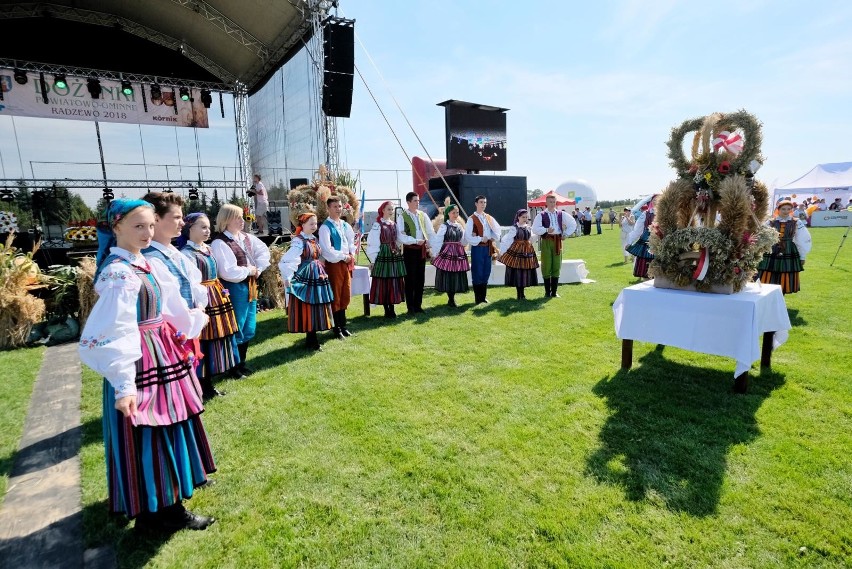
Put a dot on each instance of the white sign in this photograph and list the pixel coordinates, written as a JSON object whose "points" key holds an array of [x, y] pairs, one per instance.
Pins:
{"points": [[75, 102], [840, 218]]}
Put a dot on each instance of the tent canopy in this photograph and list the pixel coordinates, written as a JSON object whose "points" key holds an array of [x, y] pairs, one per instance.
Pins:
{"points": [[561, 201], [825, 181]]}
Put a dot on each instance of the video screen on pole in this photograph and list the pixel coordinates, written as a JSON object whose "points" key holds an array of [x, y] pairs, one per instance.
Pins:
{"points": [[476, 138]]}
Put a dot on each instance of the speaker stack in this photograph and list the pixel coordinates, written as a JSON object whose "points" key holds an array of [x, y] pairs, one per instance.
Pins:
{"points": [[339, 65]]}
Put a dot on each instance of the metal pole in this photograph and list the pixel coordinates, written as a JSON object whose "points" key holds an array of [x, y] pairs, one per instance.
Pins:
{"points": [[101, 151]]}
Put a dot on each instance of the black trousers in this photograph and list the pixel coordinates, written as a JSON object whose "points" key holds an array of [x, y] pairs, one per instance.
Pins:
{"points": [[415, 276]]}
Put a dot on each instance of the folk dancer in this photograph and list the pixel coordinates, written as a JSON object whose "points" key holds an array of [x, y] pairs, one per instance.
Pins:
{"points": [[552, 226], [387, 267], [482, 233], [240, 258], [303, 272], [157, 451], [451, 265], [414, 231], [783, 264], [518, 254], [638, 240], [337, 243]]}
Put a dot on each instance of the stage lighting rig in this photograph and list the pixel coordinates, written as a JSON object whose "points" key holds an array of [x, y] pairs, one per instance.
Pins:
{"points": [[206, 98], [126, 87], [93, 84], [193, 193], [7, 195], [156, 92], [184, 94], [21, 77], [59, 81]]}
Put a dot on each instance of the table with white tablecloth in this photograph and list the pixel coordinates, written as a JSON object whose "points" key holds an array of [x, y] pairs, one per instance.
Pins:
{"points": [[721, 324]]}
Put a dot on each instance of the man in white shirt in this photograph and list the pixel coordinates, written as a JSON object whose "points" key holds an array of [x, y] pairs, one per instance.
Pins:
{"points": [[482, 232], [553, 226], [337, 244], [414, 230], [261, 203]]}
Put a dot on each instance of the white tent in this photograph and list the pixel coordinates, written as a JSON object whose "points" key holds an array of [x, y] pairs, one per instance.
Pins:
{"points": [[825, 181]]}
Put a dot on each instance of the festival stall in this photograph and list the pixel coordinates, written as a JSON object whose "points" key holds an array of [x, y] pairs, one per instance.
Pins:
{"points": [[825, 182]]}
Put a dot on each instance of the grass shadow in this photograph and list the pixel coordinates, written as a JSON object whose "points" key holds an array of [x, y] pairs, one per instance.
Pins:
{"points": [[507, 306], [619, 264], [795, 318], [670, 430], [134, 549]]}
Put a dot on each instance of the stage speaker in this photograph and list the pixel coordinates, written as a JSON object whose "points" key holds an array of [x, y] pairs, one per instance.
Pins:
{"points": [[505, 194], [337, 94], [338, 65], [296, 182]]}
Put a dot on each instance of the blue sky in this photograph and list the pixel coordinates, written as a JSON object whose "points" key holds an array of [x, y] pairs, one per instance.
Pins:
{"points": [[593, 89]]}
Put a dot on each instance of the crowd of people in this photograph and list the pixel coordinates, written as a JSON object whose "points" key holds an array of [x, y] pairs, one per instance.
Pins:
{"points": [[173, 312]]}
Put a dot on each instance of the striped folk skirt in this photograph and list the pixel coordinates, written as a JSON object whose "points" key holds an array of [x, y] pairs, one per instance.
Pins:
{"points": [[782, 267], [388, 277], [309, 308], [643, 255], [451, 267], [158, 457], [218, 339], [521, 264]]}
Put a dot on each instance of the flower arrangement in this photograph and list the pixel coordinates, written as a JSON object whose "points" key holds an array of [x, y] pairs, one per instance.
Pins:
{"points": [[312, 197], [692, 250], [86, 234], [8, 222]]}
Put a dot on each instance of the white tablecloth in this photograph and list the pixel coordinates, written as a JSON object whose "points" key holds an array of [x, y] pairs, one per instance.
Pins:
{"points": [[572, 271], [361, 281], [729, 325]]}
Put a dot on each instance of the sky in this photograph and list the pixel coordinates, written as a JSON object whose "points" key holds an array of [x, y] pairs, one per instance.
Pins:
{"points": [[593, 90]]}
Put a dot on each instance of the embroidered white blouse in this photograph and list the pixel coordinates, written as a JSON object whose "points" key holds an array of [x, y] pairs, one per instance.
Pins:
{"points": [[226, 262], [189, 270]]}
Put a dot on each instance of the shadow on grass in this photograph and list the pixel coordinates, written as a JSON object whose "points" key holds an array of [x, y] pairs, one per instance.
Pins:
{"points": [[132, 549], [508, 306], [795, 319], [670, 430], [618, 264]]}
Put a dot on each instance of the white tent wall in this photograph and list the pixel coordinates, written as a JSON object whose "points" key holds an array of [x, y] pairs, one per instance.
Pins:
{"points": [[824, 181]]}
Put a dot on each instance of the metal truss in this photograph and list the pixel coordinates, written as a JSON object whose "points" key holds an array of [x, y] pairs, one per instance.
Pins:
{"points": [[241, 121], [227, 25], [38, 10]]}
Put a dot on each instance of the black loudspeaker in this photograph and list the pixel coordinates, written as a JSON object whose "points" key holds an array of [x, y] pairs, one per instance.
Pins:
{"points": [[337, 94], [296, 182], [505, 194], [339, 65]]}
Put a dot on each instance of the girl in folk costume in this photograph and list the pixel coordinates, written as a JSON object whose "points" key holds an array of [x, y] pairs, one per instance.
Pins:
{"points": [[303, 272], [518, 254], [787, 259], [156, 447], [451, 264], [638, 239], [626, 222], [240, 258], [386, 262], [218, 339]]}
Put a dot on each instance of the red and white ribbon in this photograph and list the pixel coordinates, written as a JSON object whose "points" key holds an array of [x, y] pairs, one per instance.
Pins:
{"points": [[731, 142], [702, 266]]}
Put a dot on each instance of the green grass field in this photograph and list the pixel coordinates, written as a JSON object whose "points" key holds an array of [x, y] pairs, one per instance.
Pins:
{"points": [[505, 435]]}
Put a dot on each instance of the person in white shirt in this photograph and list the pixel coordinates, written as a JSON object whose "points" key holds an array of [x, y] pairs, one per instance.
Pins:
{"points": [[482, 232], [261, 203], [553, 226], [337, 243], [518, 254], [414, 231], [240, 257], [135, 337], [626, 224]]}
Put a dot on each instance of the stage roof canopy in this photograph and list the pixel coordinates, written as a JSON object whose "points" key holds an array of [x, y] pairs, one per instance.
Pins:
{"points": [[219, 43]]}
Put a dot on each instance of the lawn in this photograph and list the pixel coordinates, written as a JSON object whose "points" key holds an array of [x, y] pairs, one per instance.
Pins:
{"points": [[504, 435]]}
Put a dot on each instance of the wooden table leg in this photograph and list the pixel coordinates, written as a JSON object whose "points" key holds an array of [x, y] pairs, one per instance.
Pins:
{"points": [[741, 383], [366, 304], [626, 354], [766, 352]]}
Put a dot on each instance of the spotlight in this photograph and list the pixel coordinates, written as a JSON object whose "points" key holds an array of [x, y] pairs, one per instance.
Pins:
{"points": [[156, 92], [193, 193], [8, 195], [21, 77], [184, 94], [126, 87], [94, 86], [206, 98], [59, 81], [108, 195]]}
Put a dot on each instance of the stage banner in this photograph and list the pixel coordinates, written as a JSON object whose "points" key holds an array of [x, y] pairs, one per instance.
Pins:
{"points": [[76, 103]]}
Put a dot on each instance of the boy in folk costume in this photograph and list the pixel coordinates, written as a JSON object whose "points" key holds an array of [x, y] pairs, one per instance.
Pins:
{"points": [[553, 226], [337, 243], [482, 232], [787, 259], [414, 231]]}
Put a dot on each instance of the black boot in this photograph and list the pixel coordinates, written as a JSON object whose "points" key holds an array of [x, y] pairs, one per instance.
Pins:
{"points": [[554, 284], [335, 330], [207, 390], [546, 287], [451, 299], [343, 330], [176, 517], [484, 293], [312, 342], [243, 349], [389, 311], [478, 294], [520, 292]]}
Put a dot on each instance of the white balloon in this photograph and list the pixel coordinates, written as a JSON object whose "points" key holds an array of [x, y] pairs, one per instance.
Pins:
{"points": [[573, 189]]}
